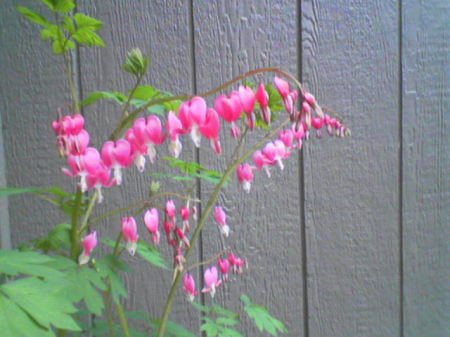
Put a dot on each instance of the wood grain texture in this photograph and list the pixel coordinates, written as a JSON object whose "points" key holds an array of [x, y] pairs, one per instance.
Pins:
{"points": [[5, 233], [161, 30], [32, 88], [232, 37], [351, 62], [426, 167]]}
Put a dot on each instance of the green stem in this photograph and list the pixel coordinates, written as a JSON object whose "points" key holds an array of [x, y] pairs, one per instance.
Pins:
{"points": [[211, 202], [75, 241], [123, 320], [109, 312], [130, 96], [84, 223], [132, 116]]}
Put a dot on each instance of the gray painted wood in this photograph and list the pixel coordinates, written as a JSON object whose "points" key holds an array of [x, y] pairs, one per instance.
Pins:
{"points": [[160, 30], [32, 89], [426, 167], [5, 234], [232, 37], [351, 62]]}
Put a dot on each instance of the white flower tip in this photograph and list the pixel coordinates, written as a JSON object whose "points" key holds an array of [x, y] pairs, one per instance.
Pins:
{"points": [[140, 163], [247, 185], [225, 230], [131, 248], [191, 297], [83, 259]]}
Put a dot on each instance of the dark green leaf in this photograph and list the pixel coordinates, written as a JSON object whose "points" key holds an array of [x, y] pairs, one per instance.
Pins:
{"points": [[34, 17], [172, 329], [57, 239], [95, 96], [14, 262], [150, 254]]}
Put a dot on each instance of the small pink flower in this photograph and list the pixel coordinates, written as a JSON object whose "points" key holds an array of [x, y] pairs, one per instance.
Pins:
{"points": [[83, 165], [129, 232], [175, 128], [230, 109], [287, 137], [117, 155], [149, 132], [138, 150], [262, 97], [180, 233], [317, 123], [185, 213], [151, 220], [89, 242], [245, 176], [189, 286], [275, 152], [193, 116], [169, 226], [236, 263], [100, 178], [171, 210], [282, 86], [221, 219], [211, 281], [211, 128], [248, 100], [261, 161], [224, 266], [75, 144]]}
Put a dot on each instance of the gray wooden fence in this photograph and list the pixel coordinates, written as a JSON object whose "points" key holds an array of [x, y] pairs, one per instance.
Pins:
{"points": [[353, 238]]}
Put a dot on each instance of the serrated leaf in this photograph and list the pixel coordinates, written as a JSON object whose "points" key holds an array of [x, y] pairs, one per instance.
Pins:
{"points": [[106, 267], [145, 92], [14, 262], [262, 318], [58, 238], [85, 21], [150, 254], [217, 309], [171, 176], [95, 96], [172, 329], [42, 302], [34, 16], [63, 6], [194, 169], [201, 307]]}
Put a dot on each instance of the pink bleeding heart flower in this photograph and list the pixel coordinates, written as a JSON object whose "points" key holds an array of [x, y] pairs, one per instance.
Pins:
{"points": [[117, 155], [169, 226], [189, 286], [171, 210], [100, 178], [310, 99], [193, 116], [175, 128], [287, 137], [211, 128], [245, 176], [261, 162], [149, 132], [74, 144], [248, 100], [236, 263], [299, 134], [89, 243], [130, 234], [221, 219], [275, 152], [138, 149], [317, 123], [69, 125], [282, 86], [224, 266], [151, 220], [83, 165], [185, 213], [211, 281], [230, 109], [262, 96], [180, 234]]}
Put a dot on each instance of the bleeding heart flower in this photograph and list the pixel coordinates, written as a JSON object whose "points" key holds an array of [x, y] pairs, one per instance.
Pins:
{"points": [[224, 266], [221, 219], [193, 116], [89, 243], [83, 165], [262, 96], [230, 109], [211, 128], [130, 234], [117, 155], [248, 100], [189, 286], [149, 132], [245, 176], [99, 179], [151, 220], [175, 128], [211, 281]]}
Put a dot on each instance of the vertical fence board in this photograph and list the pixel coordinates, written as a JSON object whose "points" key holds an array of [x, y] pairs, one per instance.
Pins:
{"points": [[232, 37], [426, 167], [5, 233], [32, 88], [350, 60], [161, 30]]}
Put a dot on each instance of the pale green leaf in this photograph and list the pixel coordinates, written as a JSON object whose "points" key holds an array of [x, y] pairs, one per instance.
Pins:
{"points": [[34, 17]]}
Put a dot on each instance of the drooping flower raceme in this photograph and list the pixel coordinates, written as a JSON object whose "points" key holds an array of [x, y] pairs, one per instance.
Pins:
{"points": [[189, 286], [88, 243], [130, 234]]}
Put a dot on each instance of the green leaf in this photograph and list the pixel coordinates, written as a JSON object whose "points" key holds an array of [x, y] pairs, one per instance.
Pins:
{"points": [[7, 191], [275, 100], [60, 5], [201, 307], [150, 254], [196, 170], [262, 318], [57, 239], [95, 96], [145, 92], [85, 21], [171, 176], [14, 262], [51, 32], [42, 302], [172, 329], [34, 17]]}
